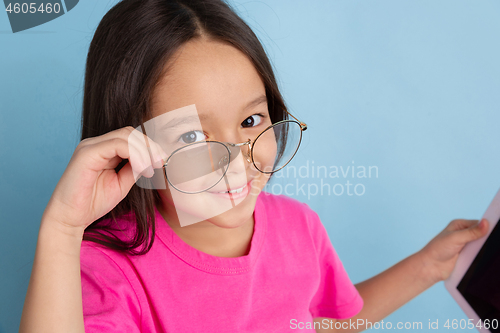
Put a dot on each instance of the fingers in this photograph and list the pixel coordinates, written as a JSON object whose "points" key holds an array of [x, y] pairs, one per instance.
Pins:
{"points": [[140, 162], [90, 187], [126, 143], [154, 152], [113, 163], [470, 230], [460, 224], [140, 154], [125, 179], [104, 154], [484, 226], [158, 155], [123, 132]]}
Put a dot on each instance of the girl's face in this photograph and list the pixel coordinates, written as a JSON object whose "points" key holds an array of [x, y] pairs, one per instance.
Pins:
{"points": [[219, 86]]}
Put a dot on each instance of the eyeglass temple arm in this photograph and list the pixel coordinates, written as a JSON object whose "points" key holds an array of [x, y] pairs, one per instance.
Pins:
{"points": [[303, 126], [147, 141], [150, 153]]}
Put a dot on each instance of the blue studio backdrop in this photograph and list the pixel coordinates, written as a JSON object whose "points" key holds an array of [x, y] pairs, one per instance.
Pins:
{"points": [[402, 104]]}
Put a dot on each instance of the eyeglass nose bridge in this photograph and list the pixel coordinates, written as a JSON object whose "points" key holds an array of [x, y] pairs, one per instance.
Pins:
{"points": [[246, 143]]}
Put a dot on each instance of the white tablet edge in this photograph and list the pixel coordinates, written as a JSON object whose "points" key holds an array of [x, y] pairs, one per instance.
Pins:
{"points": [[467, 256]]}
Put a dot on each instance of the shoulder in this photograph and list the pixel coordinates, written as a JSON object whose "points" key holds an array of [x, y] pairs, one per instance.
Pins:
{"points": [[112, 296], [122, 228], [99, 260], [281, 206], [104, 266], [96, 257], [285, 212], [104, 270]]}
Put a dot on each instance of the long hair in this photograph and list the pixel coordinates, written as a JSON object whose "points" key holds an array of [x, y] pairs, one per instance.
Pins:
{"points": [[126, 58]]}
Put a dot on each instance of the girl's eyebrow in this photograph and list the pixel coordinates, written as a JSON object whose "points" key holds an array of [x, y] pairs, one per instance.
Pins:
{"points": [[255, 102], [196, 119], [184, 120]]}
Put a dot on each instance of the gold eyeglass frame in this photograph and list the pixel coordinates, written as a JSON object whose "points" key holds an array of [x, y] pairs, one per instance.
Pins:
{"points": [[248, 155]]}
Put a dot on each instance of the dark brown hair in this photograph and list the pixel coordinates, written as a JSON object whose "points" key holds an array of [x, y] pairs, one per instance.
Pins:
{"points": [[126, 58]]}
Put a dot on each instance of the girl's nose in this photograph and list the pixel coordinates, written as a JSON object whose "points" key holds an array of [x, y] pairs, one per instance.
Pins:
{"points": [[242, 148], [231, 137]]}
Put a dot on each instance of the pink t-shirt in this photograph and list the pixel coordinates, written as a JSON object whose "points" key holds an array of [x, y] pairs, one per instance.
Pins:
{"points": [[291, 275]]}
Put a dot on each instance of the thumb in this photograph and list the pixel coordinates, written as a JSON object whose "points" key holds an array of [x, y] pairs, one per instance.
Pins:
{"points": [[476, 231]]}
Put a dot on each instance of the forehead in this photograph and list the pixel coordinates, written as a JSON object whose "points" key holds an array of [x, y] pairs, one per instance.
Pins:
{"points": [[214, 75]]}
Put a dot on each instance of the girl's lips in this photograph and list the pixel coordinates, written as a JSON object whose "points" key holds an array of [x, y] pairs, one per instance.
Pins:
{"points": [[237, 190], [234, 196]]}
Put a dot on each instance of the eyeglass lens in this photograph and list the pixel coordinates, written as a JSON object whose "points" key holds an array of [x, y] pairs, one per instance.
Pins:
{"points": [[275, 147], [198, 167]]}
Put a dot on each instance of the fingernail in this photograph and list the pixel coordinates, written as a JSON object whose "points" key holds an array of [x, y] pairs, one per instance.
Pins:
{"points": [[158, 162], [148, 172], [160, 159], [164, 156]]}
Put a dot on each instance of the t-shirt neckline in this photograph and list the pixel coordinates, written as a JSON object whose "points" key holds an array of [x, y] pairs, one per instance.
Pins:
{"points": [[210, 263]]}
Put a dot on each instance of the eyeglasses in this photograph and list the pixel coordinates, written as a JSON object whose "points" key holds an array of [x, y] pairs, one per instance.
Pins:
{"points": [[199, 166]]}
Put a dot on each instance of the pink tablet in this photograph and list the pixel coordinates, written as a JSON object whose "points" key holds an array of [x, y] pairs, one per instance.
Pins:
{"points": [[475, 281]]}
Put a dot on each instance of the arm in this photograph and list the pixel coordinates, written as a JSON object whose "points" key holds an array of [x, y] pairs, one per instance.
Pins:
{"points": [[54, 298], [389, 290], [88, 189]]}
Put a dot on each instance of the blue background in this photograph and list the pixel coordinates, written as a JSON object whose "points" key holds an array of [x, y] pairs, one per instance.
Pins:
{"points": [[409, 87]]}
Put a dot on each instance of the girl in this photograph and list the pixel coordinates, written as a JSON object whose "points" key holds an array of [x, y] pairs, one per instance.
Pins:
{"points": [[113, 256]]}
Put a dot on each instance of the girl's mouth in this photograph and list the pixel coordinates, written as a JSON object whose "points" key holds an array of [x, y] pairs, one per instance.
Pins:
{"points": [[238, 190]]}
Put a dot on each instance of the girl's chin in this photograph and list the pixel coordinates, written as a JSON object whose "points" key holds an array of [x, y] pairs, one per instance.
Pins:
{"points": [[228, 223], [227, 210], [218, 211]]}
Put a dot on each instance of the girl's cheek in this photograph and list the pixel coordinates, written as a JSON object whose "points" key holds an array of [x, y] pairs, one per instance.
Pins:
{"points": [[265, 152]]}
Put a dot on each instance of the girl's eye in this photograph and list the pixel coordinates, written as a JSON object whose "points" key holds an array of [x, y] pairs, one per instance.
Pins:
{"points": [[252, 121], [192, 136]]}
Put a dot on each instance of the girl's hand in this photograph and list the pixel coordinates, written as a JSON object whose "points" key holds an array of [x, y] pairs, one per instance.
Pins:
{"points": [[89, 187], [440, 254]]}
